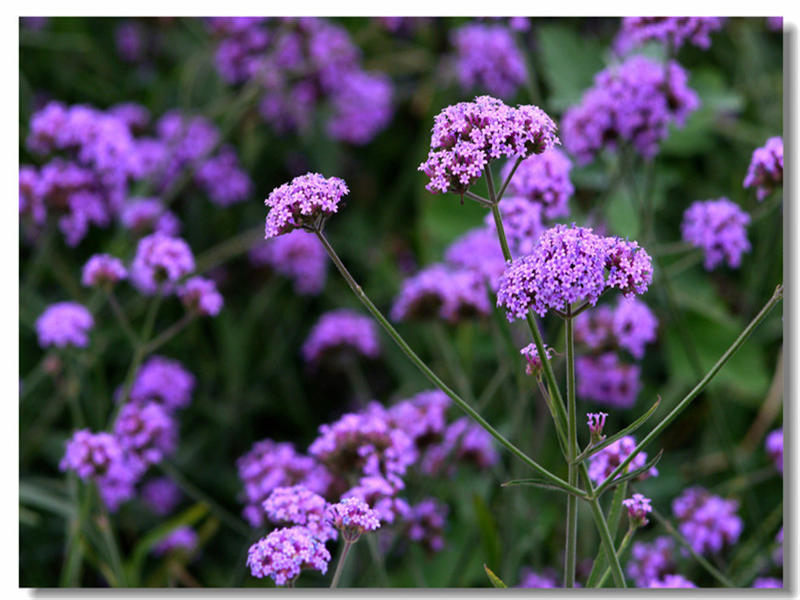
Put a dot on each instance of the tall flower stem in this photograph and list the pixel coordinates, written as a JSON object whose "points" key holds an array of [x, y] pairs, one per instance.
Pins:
{"points": [[572, 451], [432, 377], [623, 546], [340, 565]]}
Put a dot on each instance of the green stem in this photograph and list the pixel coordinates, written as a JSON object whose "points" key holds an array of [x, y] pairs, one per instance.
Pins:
{"points": [[340, 565], [452, 362], [572, 451], [614, 514], [104, 524], [776, 297], [508, 180], [432, 377], [169, 333], [623, 546], [123, 321], [606, 539]]}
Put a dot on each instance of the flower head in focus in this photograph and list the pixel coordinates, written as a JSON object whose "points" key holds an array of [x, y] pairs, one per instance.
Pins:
{"points": [[305, 202], [638, 508], [283, 553], [352, 517]]}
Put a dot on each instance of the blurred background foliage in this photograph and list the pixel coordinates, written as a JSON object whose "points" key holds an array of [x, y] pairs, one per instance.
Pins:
{"points": [[252, 383]]}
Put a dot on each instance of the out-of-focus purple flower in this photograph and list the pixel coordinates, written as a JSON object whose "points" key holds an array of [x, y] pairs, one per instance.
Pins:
{"points": [[352, 517], [606, 380], [147, 432], [34, 23], [533, 361], [64, 324], [463, 441], [488, 59], [603, 463], [438, 291], [135, 116], [200, 295], [306, 201], [522, 222], [468, 135], [719, 228], [148, 215], [768, 582], [285, 552], [634, 325], [103, 270], [634, 102], [775, 23], [341, 331], [478, 250], [223, 179], [638, 508], [362, 107], [426, 524], [594, 328], [543, 179], [423, 417], [765, 172], [161, 495], [532, 579], [269, 465], [298, 255], [165, 381], [31, 202], [300, 506], [774, 446], [160, 262], [649, 562], [673, 32], [182, 539], [596, 423], [671, 581], [707, 521], [777, 556], [129, 38]]}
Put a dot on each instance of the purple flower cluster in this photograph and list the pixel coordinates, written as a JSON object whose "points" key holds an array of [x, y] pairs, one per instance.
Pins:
{"points": [[543, 179], [522, 222], [161, 495], [488, 59], [340, 332], [441, 292], [534, 364], [468, 135], [304, 202], [182, 539], [719, 228], [149, 215], [532, 579], [649, 562], [298, 255], [302, 63], [606, 380], [707, 521], [298, 505], [159, 263], [478, 250], [423, 417], [568, 265], [638, 508], [352, 517], [671, 581], [426, 524], [630, 325], [603, 463], [634, 102], [596, 423], [774, 446], [165, 381], [199, 295], [146, 432], [672, 32], [103, 270], [462, 441], [64, 324], [283, 553], [765, 172]]}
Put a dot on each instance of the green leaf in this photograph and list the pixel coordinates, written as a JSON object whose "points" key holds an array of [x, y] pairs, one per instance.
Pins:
{"points": [[40, 497], [539, 483], [496, 581]]}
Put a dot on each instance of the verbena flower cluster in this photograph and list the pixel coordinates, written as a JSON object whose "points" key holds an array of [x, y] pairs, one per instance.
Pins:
{"points": [[341, 332], [765, 172], [651, 561], [161, 495], [569, 265], [183, 539], [534, 364], [297, 255], [774, 446], [673, 32], [631, 325], [488, 59], [297, 505], [543, 179], [160, 262], [163, 380], [426, 524], [719, 228], [603, 463], [103, 270], [352, 517], [638, 508], [707, 521], [302, 65], [468, 135], [632, 103], [149, 215], [64, 324], [283, 553], [304, 202]]}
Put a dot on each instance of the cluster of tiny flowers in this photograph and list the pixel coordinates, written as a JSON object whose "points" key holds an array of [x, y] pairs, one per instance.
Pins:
{"points": [[462, 441], [707, 521], [488, 59], [533, 361], [478, 250], [774, 446], [165, 381], [532, 579], [426, 523], [672, 32], [596, 423], [149, 215], [200, 295], [103, 270], [352, 517], [649, 562], [377, 492], [338, 332], [634, 102], [638, 508], [671, 581], [300, 63], [542, 179], [298, 255], [603, 463], [183, 539], [468, 135], [147, 432], [285, 552], [606, 380], [304, 202], [159, 263], [441, 292], [64, 324], [765, 172], [719, 228], [161, 495], [630, 325], [423, 417], [298, 505], [568, 265], [768, 582], [522, 221]]}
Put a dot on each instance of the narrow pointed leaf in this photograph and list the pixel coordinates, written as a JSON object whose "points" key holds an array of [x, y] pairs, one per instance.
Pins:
{"points": [[496, 581], [540, 483]]}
